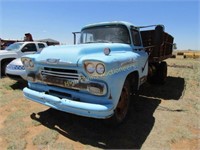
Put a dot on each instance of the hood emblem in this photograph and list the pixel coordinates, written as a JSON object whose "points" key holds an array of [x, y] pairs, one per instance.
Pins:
{"points": [[52, 61]]}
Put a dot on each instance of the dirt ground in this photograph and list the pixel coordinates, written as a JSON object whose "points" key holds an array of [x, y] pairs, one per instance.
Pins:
{"points": [[166, 118]]}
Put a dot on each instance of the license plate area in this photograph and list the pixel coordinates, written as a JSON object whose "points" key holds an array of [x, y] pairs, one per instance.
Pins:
{"points": [[62, 82]]}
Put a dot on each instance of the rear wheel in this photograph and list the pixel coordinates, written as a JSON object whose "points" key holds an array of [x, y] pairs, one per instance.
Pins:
{"points": [[153, 73], [158, 73], [162, 72]]}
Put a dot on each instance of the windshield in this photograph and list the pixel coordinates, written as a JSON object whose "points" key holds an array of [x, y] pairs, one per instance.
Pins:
{"points": [[14, 47], [105, 34]]}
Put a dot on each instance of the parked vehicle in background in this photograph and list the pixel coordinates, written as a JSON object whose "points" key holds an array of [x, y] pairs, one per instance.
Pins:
{"points": [[27, 37], [16, 50], [97, 77], [15, 70]]}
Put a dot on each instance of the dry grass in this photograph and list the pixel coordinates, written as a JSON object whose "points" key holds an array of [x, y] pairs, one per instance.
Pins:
{"points": [[45, 138]]}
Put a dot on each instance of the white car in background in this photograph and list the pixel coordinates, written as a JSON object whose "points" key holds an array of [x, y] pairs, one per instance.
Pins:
{"points": [[17, 50], [15, 70]]}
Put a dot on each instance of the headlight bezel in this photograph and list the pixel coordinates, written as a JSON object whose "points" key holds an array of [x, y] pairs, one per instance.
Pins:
{"points": [[90, 68], [95, 64], [100, 71], [27, 62]]}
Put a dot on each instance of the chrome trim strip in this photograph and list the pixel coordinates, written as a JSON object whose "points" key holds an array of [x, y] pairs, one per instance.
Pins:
{"points": [[56, 72], [59, 63], [51, 74], [129, 62]]}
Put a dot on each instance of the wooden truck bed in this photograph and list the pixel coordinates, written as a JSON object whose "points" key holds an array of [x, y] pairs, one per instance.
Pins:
{"points": [[159, 49]]}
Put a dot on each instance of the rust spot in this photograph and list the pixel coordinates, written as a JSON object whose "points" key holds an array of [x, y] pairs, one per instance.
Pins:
{"points": [[110, 97]]}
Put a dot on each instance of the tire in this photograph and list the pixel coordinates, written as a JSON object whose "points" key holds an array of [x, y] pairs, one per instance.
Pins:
{"points": [[3, 68], [121, 111], [162, 72], [153, 78], [159, 30], [158, 40], [160, 75]]}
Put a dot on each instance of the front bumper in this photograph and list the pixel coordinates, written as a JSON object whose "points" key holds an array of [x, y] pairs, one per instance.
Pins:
{"points": [[16, 74], [70, 106]]}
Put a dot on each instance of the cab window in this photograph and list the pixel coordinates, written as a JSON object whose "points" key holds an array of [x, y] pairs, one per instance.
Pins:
{"points": [[29, 48], [41, 46], [136, 37]]}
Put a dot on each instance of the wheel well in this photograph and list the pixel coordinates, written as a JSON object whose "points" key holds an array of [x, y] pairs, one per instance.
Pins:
{"points": [[133, 77], [8, 60]]}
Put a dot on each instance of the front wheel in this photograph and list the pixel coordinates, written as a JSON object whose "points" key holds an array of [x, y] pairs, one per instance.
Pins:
{"points": [[122, 108]]}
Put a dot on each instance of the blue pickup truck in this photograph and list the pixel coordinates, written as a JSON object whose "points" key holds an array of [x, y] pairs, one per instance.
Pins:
{"points": [[97, 77]]}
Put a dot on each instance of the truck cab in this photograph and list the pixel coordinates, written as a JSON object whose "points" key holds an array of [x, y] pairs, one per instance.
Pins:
{"points": [[18, 49], [94, 78]]}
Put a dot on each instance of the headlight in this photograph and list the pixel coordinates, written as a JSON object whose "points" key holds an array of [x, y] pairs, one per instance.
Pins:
{"points": [[95, 68], [100, 68], [27, 62], [90, 68], [31, 64]]}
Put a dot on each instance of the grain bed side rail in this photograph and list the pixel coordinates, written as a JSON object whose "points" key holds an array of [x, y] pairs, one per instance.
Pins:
{"points": [[158, 43]]}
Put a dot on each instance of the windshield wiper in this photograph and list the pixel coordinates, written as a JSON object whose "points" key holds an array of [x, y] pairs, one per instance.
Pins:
{"points": [[99, 41], [103, 41], [89, 42]]}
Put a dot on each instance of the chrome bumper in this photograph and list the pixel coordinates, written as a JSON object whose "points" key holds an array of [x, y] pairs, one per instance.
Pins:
{"points": [[70, 106]]}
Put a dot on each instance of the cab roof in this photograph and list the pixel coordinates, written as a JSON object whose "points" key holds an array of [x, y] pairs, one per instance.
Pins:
{"points": [[127, 24], [30, 42]]}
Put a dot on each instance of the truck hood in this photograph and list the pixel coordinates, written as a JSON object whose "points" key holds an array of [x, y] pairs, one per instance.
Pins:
{"points": [[72, 53]]}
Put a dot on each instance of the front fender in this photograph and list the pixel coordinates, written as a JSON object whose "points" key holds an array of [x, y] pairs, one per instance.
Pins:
{"points": [[115, 80], [7, 57]]}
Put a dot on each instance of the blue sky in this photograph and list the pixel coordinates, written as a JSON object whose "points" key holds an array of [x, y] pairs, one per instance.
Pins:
{"points": [[56, 19]]}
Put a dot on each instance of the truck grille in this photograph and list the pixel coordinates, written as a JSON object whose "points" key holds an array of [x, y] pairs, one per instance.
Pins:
{"points": [[60, 73]]}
